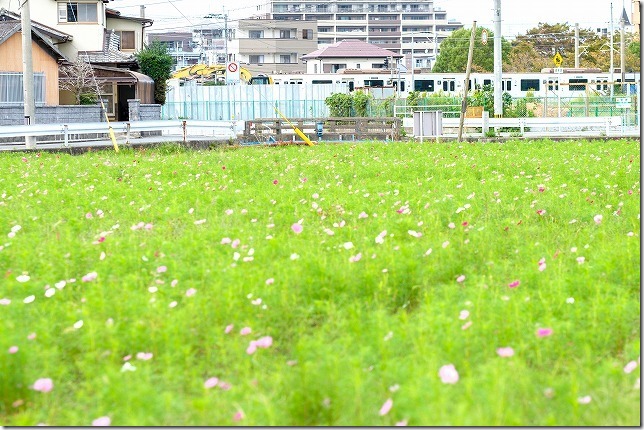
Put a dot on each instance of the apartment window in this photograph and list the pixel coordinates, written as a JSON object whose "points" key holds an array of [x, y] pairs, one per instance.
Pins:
{"points": [[256, 34], [77, 12], [285, 34], [344, 8], [307, 34], [321, 8], [382, 8], [285, 59], [256, 59], [127, 40]]}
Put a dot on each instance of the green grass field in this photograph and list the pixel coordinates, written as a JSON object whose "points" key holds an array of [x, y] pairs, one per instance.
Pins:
{"points": [[372, 284]]}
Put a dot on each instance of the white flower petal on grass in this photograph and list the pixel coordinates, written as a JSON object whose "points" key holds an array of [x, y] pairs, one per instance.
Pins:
{"points": [[386, 407], [347, 245], [632, 365], [128, 367], [448, 374], [78, 324], [22, 278], [50, 292], [200, 221], [29, 299], [584, 400]]}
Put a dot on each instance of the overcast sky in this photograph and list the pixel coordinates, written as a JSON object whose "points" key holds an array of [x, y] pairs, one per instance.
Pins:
{"points": [[517, 15]]}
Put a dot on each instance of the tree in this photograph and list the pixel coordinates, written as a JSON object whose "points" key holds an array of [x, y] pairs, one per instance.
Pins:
{"points": [[525, 58], [78, 78], [155, 62], [454, 50]]}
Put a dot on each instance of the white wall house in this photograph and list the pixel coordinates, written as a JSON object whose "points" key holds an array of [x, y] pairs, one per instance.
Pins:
{"points": [[350, 54]]}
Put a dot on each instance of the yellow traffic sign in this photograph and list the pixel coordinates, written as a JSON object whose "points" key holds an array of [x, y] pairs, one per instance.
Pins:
{"points": [[558, 59]]}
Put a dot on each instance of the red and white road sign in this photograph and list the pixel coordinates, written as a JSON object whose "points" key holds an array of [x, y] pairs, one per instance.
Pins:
{"points": [[232, 73], [232, 67]]}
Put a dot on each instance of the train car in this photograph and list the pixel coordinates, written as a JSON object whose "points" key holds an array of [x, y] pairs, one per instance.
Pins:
{"points": [[547, 82]]}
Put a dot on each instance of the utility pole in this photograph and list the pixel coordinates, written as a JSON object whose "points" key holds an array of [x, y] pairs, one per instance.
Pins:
{"points": [[622, 51], [498, 59], [576, 45], [467, 82], [28, 72], [612, 67]]}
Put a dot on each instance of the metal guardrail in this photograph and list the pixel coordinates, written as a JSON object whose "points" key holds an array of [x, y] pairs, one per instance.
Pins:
{"points": [[537, 127], [178, 129]]}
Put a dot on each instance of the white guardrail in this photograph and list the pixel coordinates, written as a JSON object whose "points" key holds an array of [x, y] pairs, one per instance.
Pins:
{"points": [[536, 127], [126, 132]]}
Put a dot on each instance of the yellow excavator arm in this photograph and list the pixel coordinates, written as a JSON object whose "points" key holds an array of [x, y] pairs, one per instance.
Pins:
{"points": [[203, 70]]}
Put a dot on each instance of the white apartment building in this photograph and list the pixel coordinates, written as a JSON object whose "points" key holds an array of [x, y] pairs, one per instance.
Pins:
{"points": [[395, 25]]}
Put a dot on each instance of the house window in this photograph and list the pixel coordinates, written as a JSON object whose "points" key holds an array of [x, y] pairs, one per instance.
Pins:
{"points": [[307, 34], [256, 34], [256, 59], [285, 59], [11, 90], [126, 40], [285, 34], [77, 12]]}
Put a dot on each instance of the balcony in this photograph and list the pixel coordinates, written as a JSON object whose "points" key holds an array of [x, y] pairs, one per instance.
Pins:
{"points": [[384, 33]]}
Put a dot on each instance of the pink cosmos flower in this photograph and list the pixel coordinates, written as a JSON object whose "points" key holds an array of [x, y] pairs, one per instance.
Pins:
{"points": [[252, 347], [355, 258], [466, 325], [513, 284], [275, 182], [245, 331], [162, 269], [88, 215], [598, 219], [386, 407], [235, 243], [102, 422], [584, 400], [91, 276], [544, 332], [211, 382], [541, 212], [190, 292], [239, 415], [145, 356], [460, 279], [44, 385], [270, 281], [463, 315], [5, 302], [229, 328], [505, 352], [628, 368], [264, 342], [581, 260], [14, 349], [448, 374], [297, 228], [363, 215]]}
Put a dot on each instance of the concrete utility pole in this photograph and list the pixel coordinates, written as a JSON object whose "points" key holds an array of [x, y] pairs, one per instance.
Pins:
{"points": [[612, 66], [28, 72], [498, 60], [622, 52], [576, 45], [467, 82]]}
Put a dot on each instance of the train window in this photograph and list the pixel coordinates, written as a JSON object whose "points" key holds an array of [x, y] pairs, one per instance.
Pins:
{"points": [[320, 81], [445, 85], [487, 82], [402, 85], [553, 85], [530, 84], [577, 84], [469, 86], [374, 83], [448, 85], [351, 85], [506, 85], [424, 85]]}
